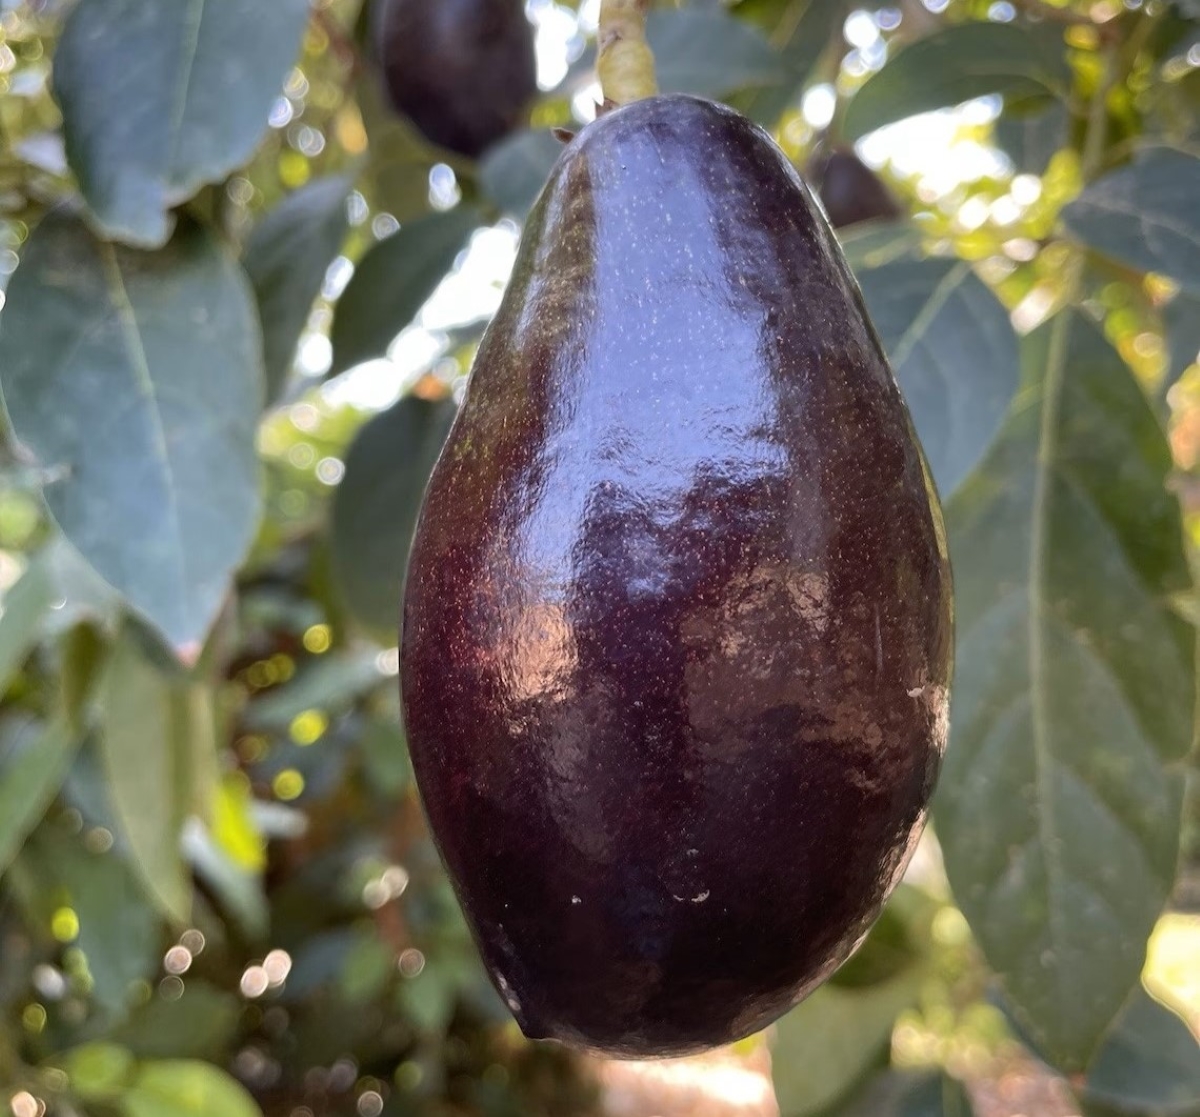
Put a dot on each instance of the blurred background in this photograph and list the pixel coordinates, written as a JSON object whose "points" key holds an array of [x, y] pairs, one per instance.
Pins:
{"points": [[218, 897]]}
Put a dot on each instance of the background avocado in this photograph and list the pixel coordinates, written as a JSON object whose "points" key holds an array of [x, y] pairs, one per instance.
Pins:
{"points": [[849, 190], [464, 71], [677, 631]]}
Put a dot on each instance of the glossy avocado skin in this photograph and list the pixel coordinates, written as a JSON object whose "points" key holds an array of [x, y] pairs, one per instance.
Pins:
{"points": [[464, 71], [677, 630], [850, 191]]}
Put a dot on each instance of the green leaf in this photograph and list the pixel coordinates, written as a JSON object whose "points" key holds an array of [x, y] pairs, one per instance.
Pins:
{"points": [[1059, 807], [393, 281], [183, 1088], [954, 352], [135, 378], [160, 97], [84, 596], [286, 257], [329, 684], [375, 508], [24, 607], [198, 1025], [1031, 135], [1145, 215], [1149, 1065], [33, 763], [800, 32], [826, 1045], [144, 748], [1181, 325], [97, 1071], [957, 64], [514, 171], [385, 756], [237, 889], [709, 53], [927, 1093]]}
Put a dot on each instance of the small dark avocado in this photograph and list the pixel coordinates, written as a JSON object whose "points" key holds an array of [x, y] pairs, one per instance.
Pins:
{"points": [[849, 190], [677, 630], [464, 71]]}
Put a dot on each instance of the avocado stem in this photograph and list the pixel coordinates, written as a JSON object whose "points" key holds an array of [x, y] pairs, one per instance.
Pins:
{"points": [[625, 63]]}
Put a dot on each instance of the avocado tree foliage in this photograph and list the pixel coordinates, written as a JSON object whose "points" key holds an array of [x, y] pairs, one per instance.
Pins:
{"points": [[216, 893]]}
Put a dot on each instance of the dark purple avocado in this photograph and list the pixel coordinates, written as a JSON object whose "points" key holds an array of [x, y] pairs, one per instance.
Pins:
{"points": [[849, 190], [464, 71], [677, 629]]}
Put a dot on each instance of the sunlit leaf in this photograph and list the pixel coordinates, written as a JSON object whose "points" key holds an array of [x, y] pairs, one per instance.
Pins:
{"points": [[957, 64], [286, 257], [1145, 215], [1181, 324], [160, 97], [183, 1088], [135, 380], [393, 281], [375, 507], [1059, 808]]}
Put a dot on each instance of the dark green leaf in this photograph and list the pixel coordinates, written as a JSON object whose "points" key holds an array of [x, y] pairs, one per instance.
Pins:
{"points": [[33, 762], [800, 31], [1149, 1066], [97, 1071], [375, 507], [160, 97], [286, 257], [1145, 215], [954, 352], [709, 53], [957, 64], [136, 379], [393, 281], [1031, 136], [385, 756], [144, 746], [183, 1088], [909, 1094], [515, 170], [25, 605], [1059, 806], [826, 1045], [331, 683]]}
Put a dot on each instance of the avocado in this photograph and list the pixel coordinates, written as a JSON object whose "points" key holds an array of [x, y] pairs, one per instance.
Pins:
{"points": [[464, 71], [677, 629], [849, 190]]}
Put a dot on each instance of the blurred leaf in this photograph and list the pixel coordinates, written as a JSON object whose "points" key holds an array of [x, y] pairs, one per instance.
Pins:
{"points": [[1145, 215], [926, 1093], [826, 1045], [514, 171], [952, 346], [393, 281], [375, 508], [428, 999], [160, 97], [83, 594], [286, 257], [144, 747], [33, 762], [957, 64], [366, 969], [200, 1024], [84, 655], [385, 756], [97, 1071], [399, 158], [24, 606], [328, 684], [1181, 325], [239, 891], [233, 827], [1031, 135], [709, 53], [118, 930], [1148, 1066], [183, 1088], [135, 377], [1059, 804], [800, 31]]}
